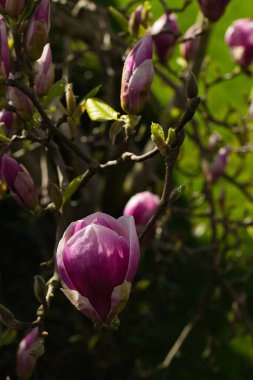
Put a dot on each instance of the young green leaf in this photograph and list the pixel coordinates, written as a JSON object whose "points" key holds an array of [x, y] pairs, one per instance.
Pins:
{"points": [[119, 18], [72, 188], [100, 111]]}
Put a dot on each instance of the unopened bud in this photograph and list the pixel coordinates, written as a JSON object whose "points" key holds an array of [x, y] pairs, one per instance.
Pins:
{"points": [[40, 289], [44, 68], [137, 76], [70, 99], [190, 46], [12, 8], [165, 33], [18, 181], [191, 87], [26, 360], [213, 9], [4, 50], [37, 30]]}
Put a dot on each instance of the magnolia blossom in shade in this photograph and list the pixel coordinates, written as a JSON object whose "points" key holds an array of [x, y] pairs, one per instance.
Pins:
{"points": [[165, 32], [44, 69], [218, 166], [12, 8], [97, 259], [26, 363], [4, 49], [37, 31], [213, 9], [20, 101], [190, 46], [137, 76], [141, 206], [18, 181], [239, 38], [6, 118]]}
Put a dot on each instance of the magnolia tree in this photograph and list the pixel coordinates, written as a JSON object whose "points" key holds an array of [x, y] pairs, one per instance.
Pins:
{"points": [[116, 150]]}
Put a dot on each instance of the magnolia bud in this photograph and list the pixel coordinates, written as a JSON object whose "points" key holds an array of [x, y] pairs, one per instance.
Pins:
{"points": [[142, 206], [44, 68], [21, 102], [12, 8], [6, 118], [189, 47], [217, 168], [26, 362], [213, 9], [37, 30], [97, 259], [165, 33], [135, 21], [137, 76], [4, 50], [239, 38], [18, 181]]}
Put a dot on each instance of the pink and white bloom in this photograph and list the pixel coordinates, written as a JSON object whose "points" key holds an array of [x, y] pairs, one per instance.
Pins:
{"points": [[12, 8], [142, 206], [239, 38], [26, 362], [37, 30], [213, 9], [165, 32], [137, 76], [19, 181], [44, 69], [97, 259]]}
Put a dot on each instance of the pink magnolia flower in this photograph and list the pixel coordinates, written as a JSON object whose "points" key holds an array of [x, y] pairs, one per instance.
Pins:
{"points": [[239, 38], [213, 9], [97, 259], [25, 361], [137, 76], [38, 29], [142, 206], [18, 181], [12, 8], [165, 34], [44, 68]]}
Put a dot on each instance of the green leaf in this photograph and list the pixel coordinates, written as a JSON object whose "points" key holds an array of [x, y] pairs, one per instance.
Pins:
{"points": [[100, 111], [81, 107], [157, 135], [56, 90], [115, 129], [119, 17], [92, 92], [55, 194], [7, 337], [72, 188], [4, 139]]}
